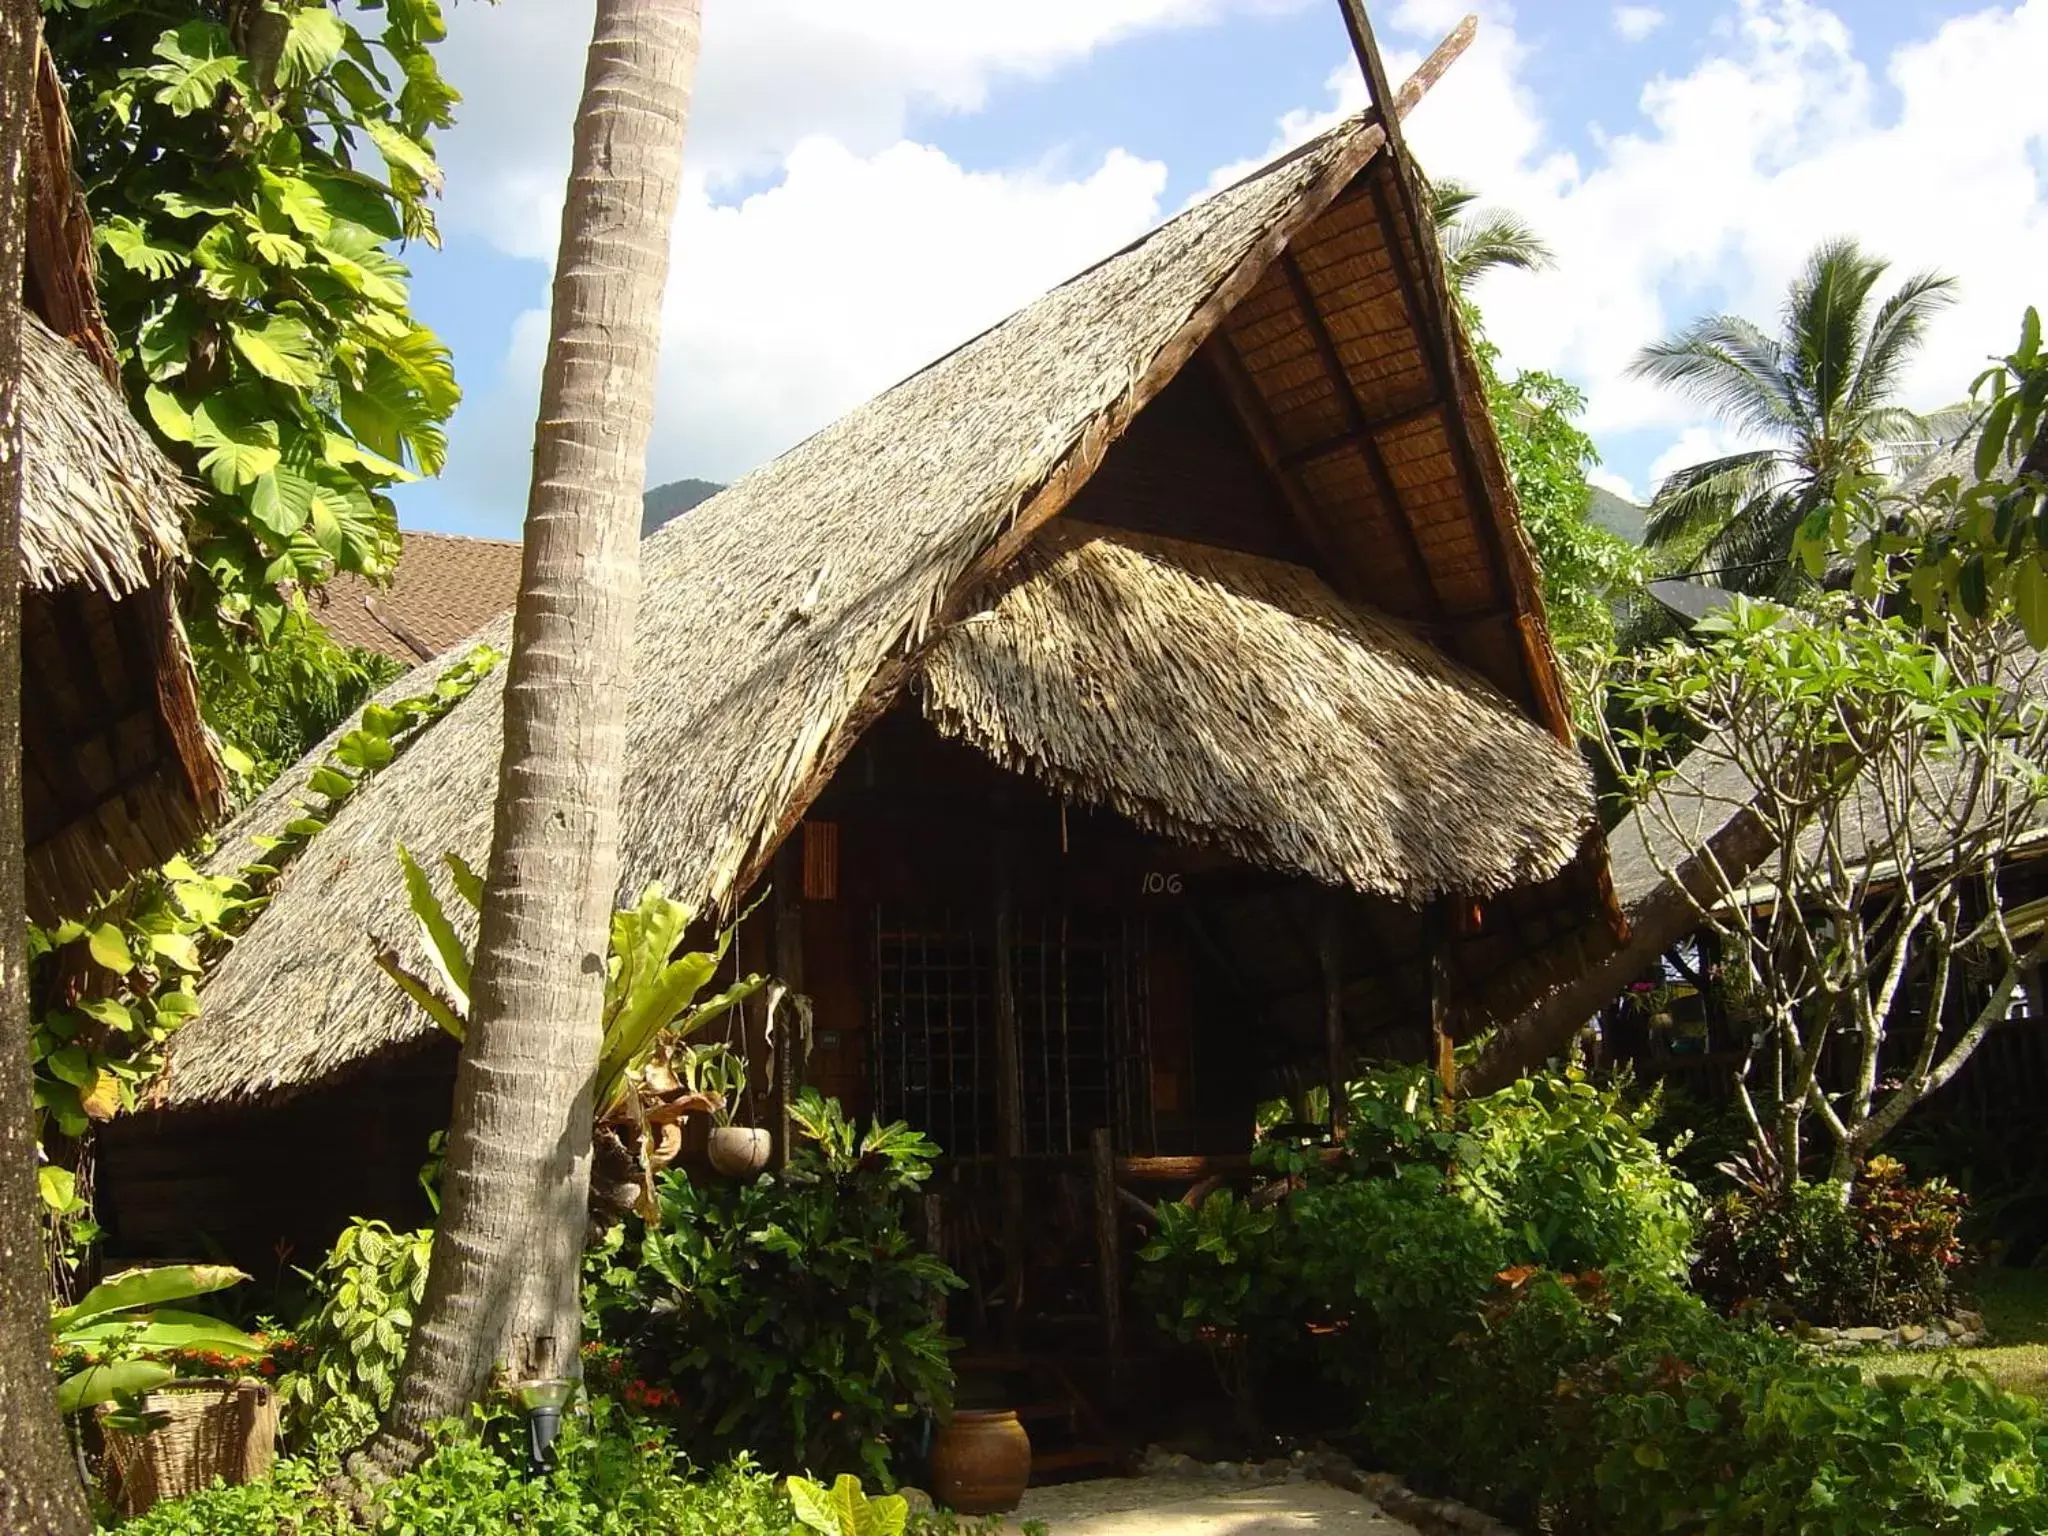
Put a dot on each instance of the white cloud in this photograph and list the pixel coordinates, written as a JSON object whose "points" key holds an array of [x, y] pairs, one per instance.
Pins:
{"points": [[1636, 22], [803, 300], [854, 257], [1779, 136], [773, 73]]}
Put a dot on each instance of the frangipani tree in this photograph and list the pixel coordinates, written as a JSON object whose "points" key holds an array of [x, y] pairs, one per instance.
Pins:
{"points": [[1896, 773]]}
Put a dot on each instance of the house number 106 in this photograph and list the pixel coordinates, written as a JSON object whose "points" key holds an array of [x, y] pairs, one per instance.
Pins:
{"points": [[1157, 884]]}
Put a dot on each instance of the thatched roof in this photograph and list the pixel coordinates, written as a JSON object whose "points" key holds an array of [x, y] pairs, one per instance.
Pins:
{"points": [[101, 506], [1224, 699], [784, 616], [118, 770]]}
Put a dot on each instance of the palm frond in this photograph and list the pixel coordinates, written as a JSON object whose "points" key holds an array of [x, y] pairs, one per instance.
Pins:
{"points": [[1753, 551], [1728, 365], [1448, 199], [1705, 496], [1898, 331], [1489, 240], [1825, 316]]}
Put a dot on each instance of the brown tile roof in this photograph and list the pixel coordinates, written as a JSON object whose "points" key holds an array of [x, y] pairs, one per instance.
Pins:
{"points": [[447, 588]]}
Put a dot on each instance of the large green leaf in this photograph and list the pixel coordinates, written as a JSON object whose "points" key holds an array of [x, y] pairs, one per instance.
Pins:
{"points": [[129, 244], [436, 1007], [282, 499], [103, 1383], [844, 1510], [281, 347], [444, 944], [199, 58], [168, 1329], [311, 44], [147, 1288], [236, 448], [402, 152]]}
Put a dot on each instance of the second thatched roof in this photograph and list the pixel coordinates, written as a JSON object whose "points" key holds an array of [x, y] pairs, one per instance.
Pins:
{"points": [[1229, 700]]}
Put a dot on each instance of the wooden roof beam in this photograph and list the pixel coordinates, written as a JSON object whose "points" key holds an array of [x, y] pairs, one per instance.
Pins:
{"points": [[1299, 457], [1359, 425], [1249, 407]]}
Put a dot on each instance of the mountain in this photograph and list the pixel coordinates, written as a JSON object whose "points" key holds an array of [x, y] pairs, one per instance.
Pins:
{"points": [[1617, 515], [666, 502]]}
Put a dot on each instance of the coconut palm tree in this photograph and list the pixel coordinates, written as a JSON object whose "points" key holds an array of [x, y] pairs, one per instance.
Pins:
{"points": [[1478, 240], [503, 1287], [1821, 397]]}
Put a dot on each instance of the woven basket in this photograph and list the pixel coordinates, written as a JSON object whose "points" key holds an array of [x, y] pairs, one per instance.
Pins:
{"points": [[204, 1430]]}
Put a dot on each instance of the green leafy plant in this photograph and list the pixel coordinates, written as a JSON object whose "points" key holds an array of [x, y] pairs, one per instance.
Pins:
{"points": [[107, 992], [713, 1072], [651, 1006], [614, 1475], [1968, 545], [1881, 1252], [250, 169], [844, 1510], [793, 1315], [351, 1343], [1571, 1173], [120, 1338]]}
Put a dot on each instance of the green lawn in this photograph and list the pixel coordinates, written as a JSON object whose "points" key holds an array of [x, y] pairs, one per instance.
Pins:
{"points": [[2015, 1303]]}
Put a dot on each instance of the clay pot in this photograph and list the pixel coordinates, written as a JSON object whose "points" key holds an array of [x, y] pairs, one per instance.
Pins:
{"points": [[980, 1462], [738, 1151]]}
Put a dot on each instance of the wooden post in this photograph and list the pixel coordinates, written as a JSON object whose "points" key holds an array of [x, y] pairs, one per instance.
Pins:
{"points": [[1330, 948], [1108, 1255], [787, 923], [1009, 1093], [1441, 933]]}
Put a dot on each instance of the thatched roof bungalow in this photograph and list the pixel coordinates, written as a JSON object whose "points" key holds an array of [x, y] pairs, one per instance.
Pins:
{"points": [[119, 772], [1150, 695]]}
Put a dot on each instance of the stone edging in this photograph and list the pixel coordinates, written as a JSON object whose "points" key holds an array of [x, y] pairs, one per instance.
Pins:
{"points": [[1432, 1517], [1963, 1331]]}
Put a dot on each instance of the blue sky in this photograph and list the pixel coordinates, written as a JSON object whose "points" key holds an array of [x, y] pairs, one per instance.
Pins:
{"points": [[871, 183]]}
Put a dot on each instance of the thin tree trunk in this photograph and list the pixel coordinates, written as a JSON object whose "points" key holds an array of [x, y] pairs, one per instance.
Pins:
{"points": [[502, 1291], [39, 1491], [1544, 1024]]}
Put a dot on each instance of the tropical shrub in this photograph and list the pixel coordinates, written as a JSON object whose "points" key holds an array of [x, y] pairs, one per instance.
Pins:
{"points": [[1720, 1443], [351, 1344], [793, 1316], [1570, 1172], [1880, 1252], [614, 1476], [1366, 1270]]}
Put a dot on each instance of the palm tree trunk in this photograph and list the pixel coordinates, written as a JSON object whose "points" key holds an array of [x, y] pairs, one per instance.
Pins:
{"points": [[502, 1291], [39, 1490]]}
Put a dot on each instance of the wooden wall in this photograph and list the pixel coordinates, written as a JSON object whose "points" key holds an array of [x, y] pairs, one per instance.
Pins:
{"points": [[270, 1187]]}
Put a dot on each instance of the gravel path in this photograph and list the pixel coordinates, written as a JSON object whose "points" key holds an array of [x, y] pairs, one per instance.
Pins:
{"points": [[1173, 1506]]}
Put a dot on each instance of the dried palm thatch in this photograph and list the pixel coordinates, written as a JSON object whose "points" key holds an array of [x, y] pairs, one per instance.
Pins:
{"points": [[118, 769], [781, 618], [1219, 698], [101, 506]]}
